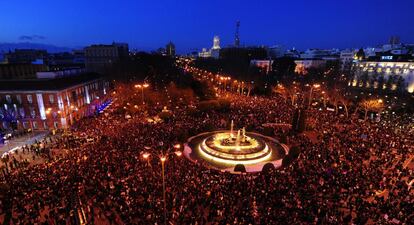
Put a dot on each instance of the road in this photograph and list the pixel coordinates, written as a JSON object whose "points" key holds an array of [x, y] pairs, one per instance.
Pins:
{"points": [[23, 140]]}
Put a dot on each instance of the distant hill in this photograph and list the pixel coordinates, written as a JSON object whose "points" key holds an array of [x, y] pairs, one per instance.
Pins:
{"points": [[5, 47]]}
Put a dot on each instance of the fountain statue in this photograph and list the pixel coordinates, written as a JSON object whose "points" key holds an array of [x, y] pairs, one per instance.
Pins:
{"points": [[238, 140], [231, 129], [234, 146]]}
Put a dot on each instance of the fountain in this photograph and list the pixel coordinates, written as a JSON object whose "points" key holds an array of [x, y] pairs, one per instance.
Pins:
{"points": [[242, 148]]}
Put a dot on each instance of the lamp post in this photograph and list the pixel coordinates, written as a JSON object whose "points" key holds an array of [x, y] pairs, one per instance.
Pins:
{"points": [[310, 93], [163, 159], [142, 86]]}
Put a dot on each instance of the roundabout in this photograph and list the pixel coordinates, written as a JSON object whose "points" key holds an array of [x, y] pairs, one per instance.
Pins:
{"points": [[227, 149]]}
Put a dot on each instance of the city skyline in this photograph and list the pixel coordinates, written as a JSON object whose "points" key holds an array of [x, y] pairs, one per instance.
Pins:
{"points": [[192, 25]]}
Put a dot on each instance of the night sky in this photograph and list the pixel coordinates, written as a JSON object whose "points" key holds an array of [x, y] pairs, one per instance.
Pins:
{"points": [[148, 25]]}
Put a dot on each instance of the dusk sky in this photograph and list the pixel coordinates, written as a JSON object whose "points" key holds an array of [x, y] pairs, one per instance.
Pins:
{"points": [[191, 25]]}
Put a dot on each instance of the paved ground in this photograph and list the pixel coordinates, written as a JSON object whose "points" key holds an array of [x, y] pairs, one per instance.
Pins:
{"points": [[23, 140]]}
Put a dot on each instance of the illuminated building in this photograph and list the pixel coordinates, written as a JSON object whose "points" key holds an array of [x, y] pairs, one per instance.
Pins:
{"points": [[326, 54], [204, 53], [265, 65], [303, 65], [52, 103], [216, 42], [214, 51], [347, 57], [384, 74]]}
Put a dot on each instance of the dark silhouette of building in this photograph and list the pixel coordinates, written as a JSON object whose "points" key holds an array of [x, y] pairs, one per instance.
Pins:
{"points": [[170, 49], [245, 54], [66, 60], [20, 71], [26, 56], [236, 36], [394, 40], [99, 58]]}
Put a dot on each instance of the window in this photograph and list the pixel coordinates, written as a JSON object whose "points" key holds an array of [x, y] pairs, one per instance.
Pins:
{"points": [[51, 99], [34, 125], [32, 112], [19, 99], [8, 98], [30, 99], [22, 113]]}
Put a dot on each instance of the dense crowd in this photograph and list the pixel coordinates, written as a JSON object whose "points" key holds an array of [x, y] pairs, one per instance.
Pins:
{"points": [[353, 171]]}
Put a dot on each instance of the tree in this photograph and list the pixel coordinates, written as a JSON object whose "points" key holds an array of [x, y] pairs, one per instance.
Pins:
{"points": [[400, 84], [283, 67], [339, 97], [345, 101], [360, 55], [373, 105], [287, 91]]}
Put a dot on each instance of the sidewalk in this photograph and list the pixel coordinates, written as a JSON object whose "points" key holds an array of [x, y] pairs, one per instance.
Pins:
{"points": [[23, 140]]}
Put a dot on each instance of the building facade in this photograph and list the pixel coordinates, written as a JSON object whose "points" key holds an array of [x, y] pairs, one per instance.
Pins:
{"points": [[98, 58], [303, 65], [386, 75], [44, 104], [20, 71], [170, 49], [26, 56], [347, 57], [276, 51], [326, 54], [265, 65], [213, 52]]}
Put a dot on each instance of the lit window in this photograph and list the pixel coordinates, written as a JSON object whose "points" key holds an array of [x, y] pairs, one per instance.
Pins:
{"points": [[8, 98], [19, 99], [30, 99], [51, 99]]}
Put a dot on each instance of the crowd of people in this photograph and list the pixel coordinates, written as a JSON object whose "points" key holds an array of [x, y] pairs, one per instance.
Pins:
{"points": [[353, 171]]}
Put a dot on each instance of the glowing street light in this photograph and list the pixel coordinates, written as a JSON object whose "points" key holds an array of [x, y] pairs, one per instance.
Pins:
{"points": [[310, 93], [163, 159], [142, 86], [145, 155]]}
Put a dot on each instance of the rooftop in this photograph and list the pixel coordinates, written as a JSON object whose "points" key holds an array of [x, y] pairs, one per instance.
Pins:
{"points": [[47, 84]]}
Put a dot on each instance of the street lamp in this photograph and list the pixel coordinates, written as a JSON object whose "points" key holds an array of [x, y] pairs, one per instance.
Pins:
{"points": [[163, 158], [142, 86], [146, 157], [310, 94]]}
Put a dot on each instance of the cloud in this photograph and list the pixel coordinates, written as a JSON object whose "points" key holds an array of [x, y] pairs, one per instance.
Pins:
{"points": [[31, 37]]}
